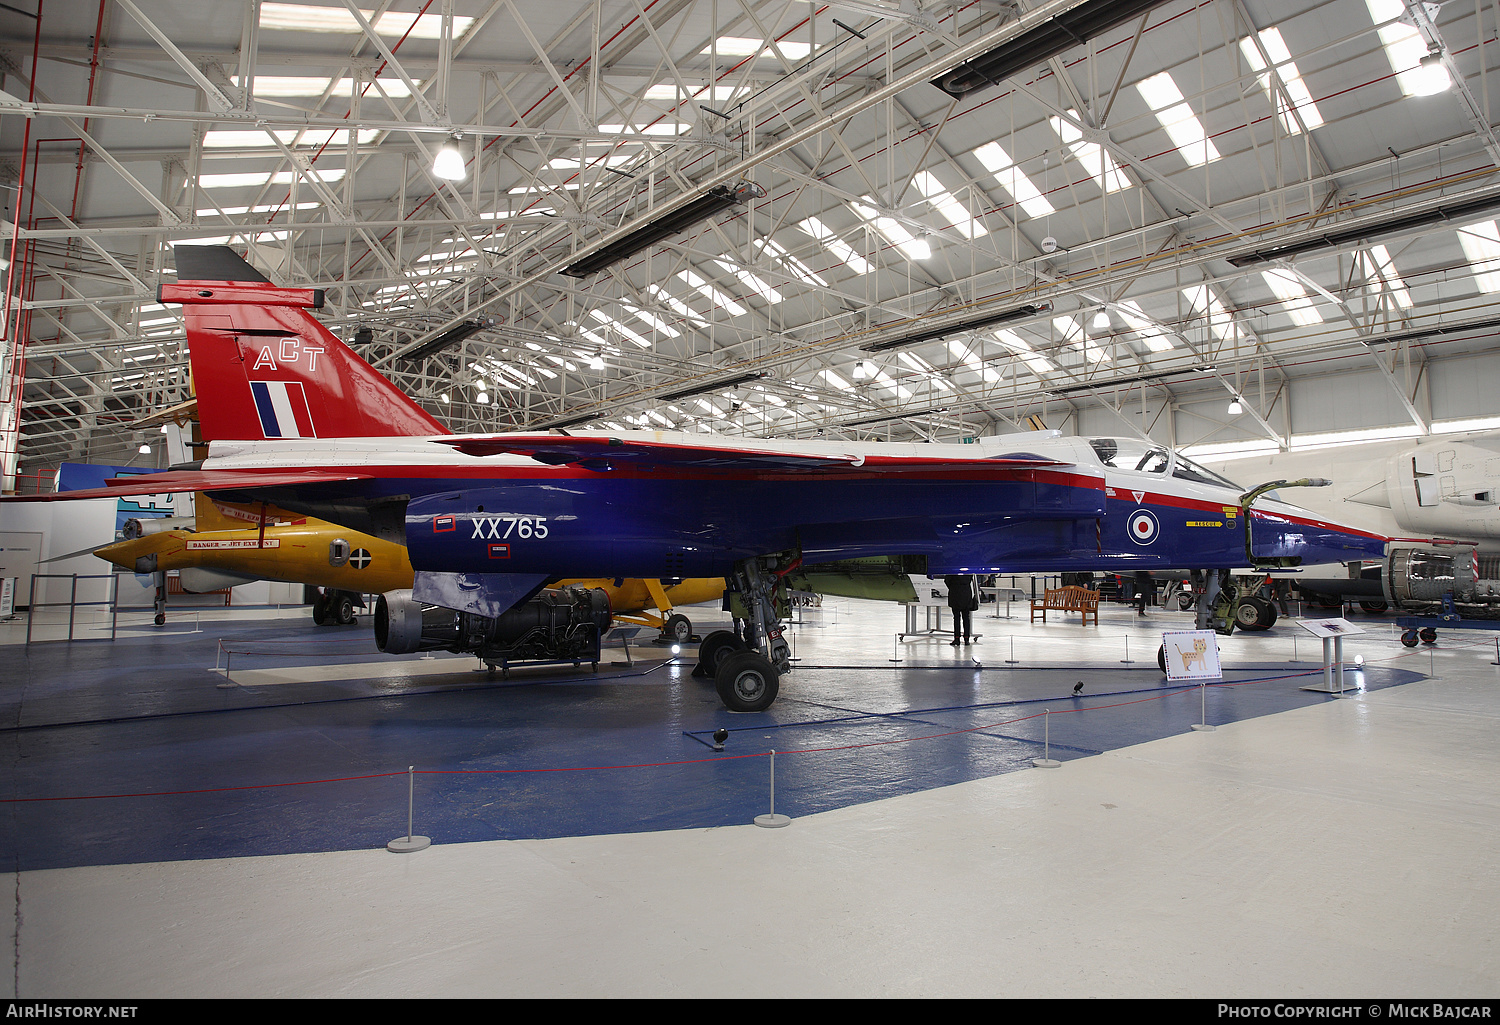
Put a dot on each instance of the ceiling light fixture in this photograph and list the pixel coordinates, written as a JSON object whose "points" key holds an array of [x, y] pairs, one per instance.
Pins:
{"points": [[449, 164], [1434, 78], [1101, 320], [145, 450], [860, 371], [1235, 409]]}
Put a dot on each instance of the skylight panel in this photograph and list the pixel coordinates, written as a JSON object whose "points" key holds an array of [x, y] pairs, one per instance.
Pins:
{"points": [[751, 281], [259, 208], [970, 358], [886, 381], [286, 86], [948, 206], [1038, 363], [835, 245], [1071, 329], [1291, 80], [1149, 331], [655, 128], [708, 291], [1481, 244], [244, 179], [1203, 303], [306, 18], [652, 319], [835, 380], [624, 331], [1380, 271], [1094, 157], [719, 93], [1175, 116], [799, 270], [894, 232], [1293, 297], [1405, 49], [744, 46], [998, 162], [675, 304]]}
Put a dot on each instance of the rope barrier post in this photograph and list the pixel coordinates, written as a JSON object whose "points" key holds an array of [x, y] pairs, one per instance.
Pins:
{"points": [[1046, 761], [1012, 660], [72, 605], [772, 820], [1497, 652], [228, 654], [409, 843], [895, 648], [1294, 647], [1127, 660], [1202, 725]]}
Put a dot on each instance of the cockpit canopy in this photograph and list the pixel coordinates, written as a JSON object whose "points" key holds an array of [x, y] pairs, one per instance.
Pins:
{"points": [[1141, 456]]}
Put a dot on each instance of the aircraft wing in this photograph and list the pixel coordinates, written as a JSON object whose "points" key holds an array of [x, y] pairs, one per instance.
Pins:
{"points": [[173, 481], [559, 449]]}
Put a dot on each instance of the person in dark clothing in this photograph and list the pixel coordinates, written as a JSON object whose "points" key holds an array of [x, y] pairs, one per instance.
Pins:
{"points": [[963, 599], [1145, 592]]}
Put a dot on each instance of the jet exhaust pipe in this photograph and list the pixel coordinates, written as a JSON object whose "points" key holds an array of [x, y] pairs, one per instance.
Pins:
{"points": [[560, 623], [142, 526], [1426, 575]]}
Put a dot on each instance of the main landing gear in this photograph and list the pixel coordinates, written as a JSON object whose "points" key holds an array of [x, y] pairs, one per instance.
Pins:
{"points": [[747, 669], [335, 607]]}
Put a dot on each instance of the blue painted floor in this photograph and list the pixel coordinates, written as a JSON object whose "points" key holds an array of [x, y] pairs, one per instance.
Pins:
{"points": [[134, 751]]}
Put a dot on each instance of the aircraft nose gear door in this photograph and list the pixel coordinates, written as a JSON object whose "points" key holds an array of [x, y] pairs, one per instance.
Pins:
{"points": [[749, 680]]}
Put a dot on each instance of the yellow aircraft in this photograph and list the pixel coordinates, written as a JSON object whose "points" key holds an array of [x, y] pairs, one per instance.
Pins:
{"points": [[225, 544]]}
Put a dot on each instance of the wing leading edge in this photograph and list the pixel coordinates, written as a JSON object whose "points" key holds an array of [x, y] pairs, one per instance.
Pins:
{"points": [[174, 481], [561, 449]]}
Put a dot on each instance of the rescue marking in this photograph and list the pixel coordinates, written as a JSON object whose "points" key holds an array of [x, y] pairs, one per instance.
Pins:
{"points": [[359, 558]]}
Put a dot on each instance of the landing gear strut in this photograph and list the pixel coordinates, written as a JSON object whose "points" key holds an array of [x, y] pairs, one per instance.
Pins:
{"points": [[160, 602], [747, 673]]}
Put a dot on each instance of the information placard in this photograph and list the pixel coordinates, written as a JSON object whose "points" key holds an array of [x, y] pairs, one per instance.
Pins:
{"points": [[1192, 655]]}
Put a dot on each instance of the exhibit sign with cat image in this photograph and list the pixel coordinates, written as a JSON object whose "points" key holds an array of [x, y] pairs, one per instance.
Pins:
{"points": [[1192, 655]]}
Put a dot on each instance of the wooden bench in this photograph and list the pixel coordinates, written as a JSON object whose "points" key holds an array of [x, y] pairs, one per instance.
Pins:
{"points": [[1067, 599]]}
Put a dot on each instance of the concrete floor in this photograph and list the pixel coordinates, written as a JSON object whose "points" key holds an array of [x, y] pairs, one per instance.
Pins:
{"points": [[1341, 849]]}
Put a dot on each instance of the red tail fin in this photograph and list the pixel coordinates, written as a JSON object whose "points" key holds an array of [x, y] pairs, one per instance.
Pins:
{"points": [[264, 368]]}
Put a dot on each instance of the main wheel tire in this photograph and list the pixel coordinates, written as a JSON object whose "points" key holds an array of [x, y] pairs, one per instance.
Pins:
{"points": [[1268, 613], [1374, 608], [320, 609], [678, 628], [1186, 600], [747, 682], [343, 609], [717, 647], [1247, 615]]}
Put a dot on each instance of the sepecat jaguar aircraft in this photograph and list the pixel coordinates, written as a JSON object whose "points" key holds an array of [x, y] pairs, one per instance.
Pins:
{"points": [[298, 420]]}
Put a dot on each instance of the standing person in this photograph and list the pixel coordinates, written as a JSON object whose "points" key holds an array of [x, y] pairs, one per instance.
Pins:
{"points": [[963, 599], [1145, 592]]}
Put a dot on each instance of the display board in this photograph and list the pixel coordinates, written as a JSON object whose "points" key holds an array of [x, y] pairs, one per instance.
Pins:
{"points": [[1192, 655]]}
